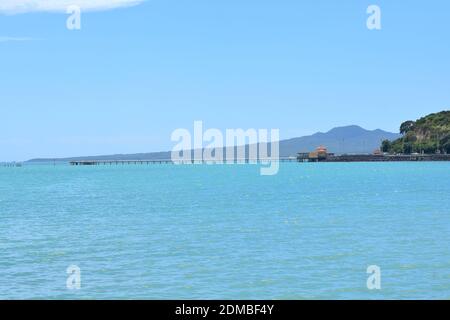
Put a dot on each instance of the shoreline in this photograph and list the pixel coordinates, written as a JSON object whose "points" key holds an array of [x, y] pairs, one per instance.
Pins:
{"points": [[378, 158]]}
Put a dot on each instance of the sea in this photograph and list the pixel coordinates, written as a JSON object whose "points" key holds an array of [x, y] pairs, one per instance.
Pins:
{"points": [[312, 231]]}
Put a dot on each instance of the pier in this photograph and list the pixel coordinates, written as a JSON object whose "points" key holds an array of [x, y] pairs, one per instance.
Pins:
{"points": [[170, 161], [10, 164], [303, 157]]}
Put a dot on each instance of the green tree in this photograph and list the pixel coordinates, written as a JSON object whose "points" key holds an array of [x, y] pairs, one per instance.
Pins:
{"points": [[397, 148], [406, 126], [386, 146], [407, 148], [445, 144]]}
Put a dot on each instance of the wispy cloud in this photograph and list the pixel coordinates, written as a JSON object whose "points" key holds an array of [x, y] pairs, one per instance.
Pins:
{"points": [[23, 6], [15, 39]]}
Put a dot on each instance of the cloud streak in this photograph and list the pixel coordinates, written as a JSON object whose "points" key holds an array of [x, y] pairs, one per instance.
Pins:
{"points": [[24, 6]]}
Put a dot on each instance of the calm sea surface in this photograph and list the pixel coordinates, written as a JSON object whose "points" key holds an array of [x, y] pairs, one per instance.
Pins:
{"points": [[224, 231]]}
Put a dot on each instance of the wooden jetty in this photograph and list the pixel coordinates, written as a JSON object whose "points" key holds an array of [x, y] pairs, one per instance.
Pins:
{"points": [[303, 157], [170, 161], [10, 164]]}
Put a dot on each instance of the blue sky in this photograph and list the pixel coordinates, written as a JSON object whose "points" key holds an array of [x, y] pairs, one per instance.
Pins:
{"points": [[132, 75]]}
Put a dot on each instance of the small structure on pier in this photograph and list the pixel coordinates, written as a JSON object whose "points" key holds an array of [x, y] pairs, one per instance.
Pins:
{"points": [[320, 154], [377, 152]]}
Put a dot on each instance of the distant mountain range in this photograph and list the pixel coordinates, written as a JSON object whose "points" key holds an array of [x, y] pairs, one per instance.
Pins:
{"points": [[340, 140]]}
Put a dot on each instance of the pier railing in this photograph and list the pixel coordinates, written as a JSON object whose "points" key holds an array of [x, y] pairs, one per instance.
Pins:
{"points": [[334, 158], [170, 161]]}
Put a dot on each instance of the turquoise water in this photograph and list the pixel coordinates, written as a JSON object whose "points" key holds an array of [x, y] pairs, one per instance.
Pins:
{"points": [[223, 232]]}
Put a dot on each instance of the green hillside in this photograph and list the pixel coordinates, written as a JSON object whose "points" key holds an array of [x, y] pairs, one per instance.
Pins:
{"points": [[430, 134]]}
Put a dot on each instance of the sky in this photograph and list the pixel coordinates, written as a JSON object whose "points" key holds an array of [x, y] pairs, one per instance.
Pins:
{"points": [[138, 70]]}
